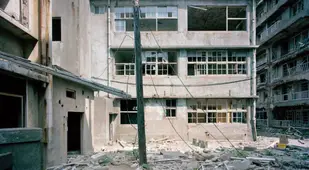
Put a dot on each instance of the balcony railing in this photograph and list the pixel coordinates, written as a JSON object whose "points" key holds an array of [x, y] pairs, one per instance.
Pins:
{"points": [[291, 96], [261, 122], [261, 61], [299, 69], [287, 123]]}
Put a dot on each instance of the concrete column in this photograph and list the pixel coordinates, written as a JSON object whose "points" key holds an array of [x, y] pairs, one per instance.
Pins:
{"points": [[182, 63]]}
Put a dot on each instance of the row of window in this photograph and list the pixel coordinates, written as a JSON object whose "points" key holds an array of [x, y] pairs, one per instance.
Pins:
{"points": [[199, 111], [199, 62], [200, 18]]}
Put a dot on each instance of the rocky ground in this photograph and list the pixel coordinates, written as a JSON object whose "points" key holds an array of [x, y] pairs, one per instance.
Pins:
{"points": [[167, 154]]}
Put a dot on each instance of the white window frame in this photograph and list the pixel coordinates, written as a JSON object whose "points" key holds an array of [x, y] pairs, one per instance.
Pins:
{"points": [[152, 14], [219, 64]]}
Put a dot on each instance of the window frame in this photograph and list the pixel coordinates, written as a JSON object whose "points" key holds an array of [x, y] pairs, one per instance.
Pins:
{"points": [[170, 108], [219, 64], [155, 16], [226, 16], [215, 110], [126, 112]]}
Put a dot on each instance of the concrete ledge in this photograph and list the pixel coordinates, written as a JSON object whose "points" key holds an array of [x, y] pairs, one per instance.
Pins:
{"points": [[20, 135]]}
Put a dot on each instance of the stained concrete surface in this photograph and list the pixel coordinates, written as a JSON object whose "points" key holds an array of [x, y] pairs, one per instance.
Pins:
{"points": [[25, 146]]}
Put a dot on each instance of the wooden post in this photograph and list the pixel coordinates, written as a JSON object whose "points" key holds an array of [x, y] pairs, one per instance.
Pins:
{"points": [[139, 86]]}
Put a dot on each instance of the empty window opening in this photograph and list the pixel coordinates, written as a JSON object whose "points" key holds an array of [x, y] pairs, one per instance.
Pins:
{"points": [[11, 105], [218, 62], [210, 18], [74, 132], [154, 63], [128, 112], [263, 78], [56, 27], [170, 110], [152, 18], [99, 9], [71, 93]]}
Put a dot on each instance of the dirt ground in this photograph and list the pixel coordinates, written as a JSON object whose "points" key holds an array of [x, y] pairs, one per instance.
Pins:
{"points": [[169, 154]]}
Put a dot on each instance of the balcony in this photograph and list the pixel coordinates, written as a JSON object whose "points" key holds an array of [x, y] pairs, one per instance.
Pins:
{"points": [[298, 20], [292, 54], [296, 96], [289, 74], [288, 123], [261, 61], [270, 12]]}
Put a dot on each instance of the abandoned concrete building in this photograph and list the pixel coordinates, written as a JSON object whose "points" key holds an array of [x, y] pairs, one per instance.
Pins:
{"points": [[209, 46], [283, 63], [40, 103]]}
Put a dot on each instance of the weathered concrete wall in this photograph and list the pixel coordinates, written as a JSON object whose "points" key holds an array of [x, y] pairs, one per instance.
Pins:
{"points": [[84, 103], [33, 98], [73, 52], [10, 43], [25, 146], [157, 125]]}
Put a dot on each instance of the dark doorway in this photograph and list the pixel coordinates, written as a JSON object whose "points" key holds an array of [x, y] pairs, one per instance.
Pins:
{"points": [[74, 132]]}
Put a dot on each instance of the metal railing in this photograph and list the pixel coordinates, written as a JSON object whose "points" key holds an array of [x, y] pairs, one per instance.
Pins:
{"points": [[299, 69], [291, 96], [261, 122], [287, 123], [261, 61]]}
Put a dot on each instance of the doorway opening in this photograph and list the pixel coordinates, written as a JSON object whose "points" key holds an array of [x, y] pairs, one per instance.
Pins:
{"points": [[112, 126], [74, 132]]}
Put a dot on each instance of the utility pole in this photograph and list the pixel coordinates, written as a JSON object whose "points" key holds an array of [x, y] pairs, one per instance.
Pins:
{"points": [[253, 75], [139, 86]]}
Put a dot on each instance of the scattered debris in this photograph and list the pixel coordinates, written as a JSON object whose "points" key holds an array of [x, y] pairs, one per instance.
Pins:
{"points": [[167, 154]]}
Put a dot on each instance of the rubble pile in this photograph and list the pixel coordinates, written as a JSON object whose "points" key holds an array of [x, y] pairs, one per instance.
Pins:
{"points": [[167, 154]]}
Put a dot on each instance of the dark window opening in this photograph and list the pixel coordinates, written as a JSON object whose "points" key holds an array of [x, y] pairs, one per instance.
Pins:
{"points": [[11, 111], [263, 78], [170, 108], [128, 112], [167, 25], [203, 18], [237, 25], [56, 27], [71, 93], [74, 132]]}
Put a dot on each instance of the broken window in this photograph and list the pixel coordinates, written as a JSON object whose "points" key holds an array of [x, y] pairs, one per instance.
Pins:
{"points": [[124, 63], [154, 63], [128, 112], [170, 110], [216, 18], [237, 20], [56, 28], [97, 9], [152, 18], [218, 62]]}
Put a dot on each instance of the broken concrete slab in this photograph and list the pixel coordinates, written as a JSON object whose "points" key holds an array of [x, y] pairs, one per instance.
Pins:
{"points": [[240, 165], [172, 154], [249, 148]]}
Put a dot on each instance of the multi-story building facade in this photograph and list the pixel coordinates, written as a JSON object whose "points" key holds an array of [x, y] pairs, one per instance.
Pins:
{"points": [[209, 46], [282, 63]]}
